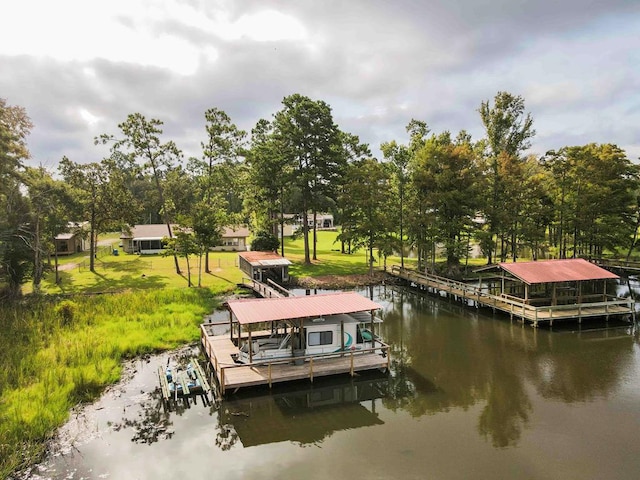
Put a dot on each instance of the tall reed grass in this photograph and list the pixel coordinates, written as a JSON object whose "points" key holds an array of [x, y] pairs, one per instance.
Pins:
{"points": [[56, 354]]}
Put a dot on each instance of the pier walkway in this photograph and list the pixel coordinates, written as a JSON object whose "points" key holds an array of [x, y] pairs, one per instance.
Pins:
{"points": [[515, 306], [266, 290]]}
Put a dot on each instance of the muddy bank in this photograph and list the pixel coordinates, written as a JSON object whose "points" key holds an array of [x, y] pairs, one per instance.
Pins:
{"points": [[338, 282]]}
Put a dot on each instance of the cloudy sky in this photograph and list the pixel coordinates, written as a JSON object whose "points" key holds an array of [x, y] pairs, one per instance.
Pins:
{"points": [[80, 67]]}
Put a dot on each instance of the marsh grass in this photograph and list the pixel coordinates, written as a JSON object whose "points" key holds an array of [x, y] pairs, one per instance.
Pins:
{"points": [[54, 355]]}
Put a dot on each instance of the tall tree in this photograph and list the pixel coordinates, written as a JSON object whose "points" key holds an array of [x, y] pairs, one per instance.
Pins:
{"points": [[366, 206], [15, 233], [270, 178], [508, 130], [310, 142], [102, 196], [141, 141], [221, 150], [449, 172], [51, 206], [399, 156]]}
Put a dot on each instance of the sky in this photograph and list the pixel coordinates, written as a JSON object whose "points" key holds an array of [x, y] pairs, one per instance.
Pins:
{"points": [[80, 67]]}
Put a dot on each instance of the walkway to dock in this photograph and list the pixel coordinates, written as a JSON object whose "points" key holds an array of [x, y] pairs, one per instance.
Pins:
{"points": [[231, 376], [514, 306], [266, 290]]}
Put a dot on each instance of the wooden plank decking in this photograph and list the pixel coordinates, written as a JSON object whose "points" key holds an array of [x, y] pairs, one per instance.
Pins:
{"points": [[231, 376], [514, 306]]}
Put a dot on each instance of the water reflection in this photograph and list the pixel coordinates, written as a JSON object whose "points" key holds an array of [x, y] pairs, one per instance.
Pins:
{"points": [[152, 424], [304, 414], [464, 358], [468, 395]]}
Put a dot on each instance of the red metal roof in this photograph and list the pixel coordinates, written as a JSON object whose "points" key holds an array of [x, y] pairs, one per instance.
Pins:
{"points": [[254, 310], [554, 271], [257, 259]]}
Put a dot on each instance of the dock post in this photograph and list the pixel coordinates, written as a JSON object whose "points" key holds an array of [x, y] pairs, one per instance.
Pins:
{"points": [[351, 369]]}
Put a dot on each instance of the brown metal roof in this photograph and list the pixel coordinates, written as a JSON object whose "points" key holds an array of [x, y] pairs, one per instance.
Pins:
{"points": [[554, 271], [256, 310]]}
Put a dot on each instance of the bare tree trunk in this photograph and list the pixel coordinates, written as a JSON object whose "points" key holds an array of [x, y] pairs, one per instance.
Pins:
{"points": [[315, 235], [92, 242], [37, 259]]}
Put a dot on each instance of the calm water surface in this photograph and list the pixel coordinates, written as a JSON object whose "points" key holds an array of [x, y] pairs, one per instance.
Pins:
{"points": [[469, 396]]}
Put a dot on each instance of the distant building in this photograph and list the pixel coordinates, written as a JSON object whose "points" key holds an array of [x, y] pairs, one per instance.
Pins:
{"points": [[293, 223], [73, 240], [145, 239], [148, 239], [233, 240]]}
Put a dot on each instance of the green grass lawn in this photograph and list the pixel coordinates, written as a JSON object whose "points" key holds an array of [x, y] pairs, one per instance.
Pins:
{"points": [[330, 259], [132, 272]]}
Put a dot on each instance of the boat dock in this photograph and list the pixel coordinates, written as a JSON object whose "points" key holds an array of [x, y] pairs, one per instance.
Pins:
{"points": [[518, 307], [253, 320], [220, 351], [183, 384]]}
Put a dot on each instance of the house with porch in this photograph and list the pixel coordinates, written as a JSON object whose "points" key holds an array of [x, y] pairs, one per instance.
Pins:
{"points": [[145, 239], [234, 239]]}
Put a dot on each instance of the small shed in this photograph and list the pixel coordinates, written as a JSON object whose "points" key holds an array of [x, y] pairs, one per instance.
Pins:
{"points": [[73, 240], [69, 243], [556, 282], [261, 266]]}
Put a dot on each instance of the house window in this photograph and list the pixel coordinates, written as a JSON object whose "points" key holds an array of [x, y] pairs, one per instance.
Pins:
{"points": [[320, 338]]}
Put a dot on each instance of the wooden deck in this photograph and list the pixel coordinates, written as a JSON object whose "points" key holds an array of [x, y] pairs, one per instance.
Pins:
{"points": [[514, 306], [231, 376]]}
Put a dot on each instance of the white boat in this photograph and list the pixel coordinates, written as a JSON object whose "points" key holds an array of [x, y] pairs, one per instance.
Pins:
{"points": [[320, 336]]}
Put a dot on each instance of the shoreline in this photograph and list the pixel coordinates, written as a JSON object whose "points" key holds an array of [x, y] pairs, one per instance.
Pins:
{"points": [[338, 282]]}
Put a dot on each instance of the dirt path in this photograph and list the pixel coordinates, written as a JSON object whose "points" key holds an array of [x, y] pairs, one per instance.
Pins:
{"points": [[74, 265]]}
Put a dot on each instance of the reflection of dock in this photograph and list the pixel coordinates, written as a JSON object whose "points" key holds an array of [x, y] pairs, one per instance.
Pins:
{"points": [[521, 307], [305, 415]]}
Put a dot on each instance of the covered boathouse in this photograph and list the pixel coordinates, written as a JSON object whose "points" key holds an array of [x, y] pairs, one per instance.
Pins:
{"points": [[262, 266], [541, 291], [255, 319], [570, 288]]}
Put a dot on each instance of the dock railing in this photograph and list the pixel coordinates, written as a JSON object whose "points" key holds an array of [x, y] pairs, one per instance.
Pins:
{"points": [[516, 306], [308, 361], [264, 290], [221, 367]]}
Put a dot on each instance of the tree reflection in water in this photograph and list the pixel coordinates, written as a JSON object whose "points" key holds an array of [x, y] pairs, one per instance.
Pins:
{"points": [[152, 424], [447, 356]]}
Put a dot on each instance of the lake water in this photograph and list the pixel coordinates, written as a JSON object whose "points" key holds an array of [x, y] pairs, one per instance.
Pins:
{"points": [[469, 395]]}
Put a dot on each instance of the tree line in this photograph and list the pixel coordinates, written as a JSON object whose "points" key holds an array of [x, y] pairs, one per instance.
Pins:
{"points": [[433, 193]]}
